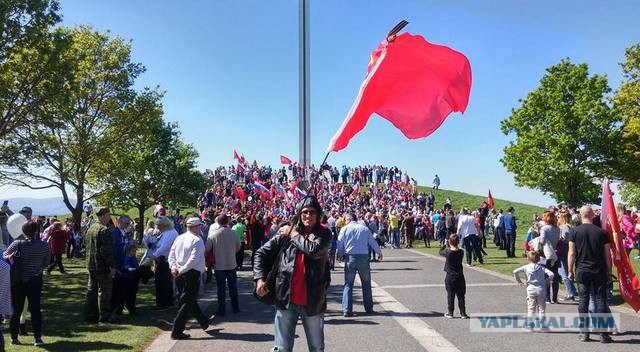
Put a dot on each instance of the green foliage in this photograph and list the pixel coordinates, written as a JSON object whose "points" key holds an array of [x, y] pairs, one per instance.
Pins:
{"points": [[630, 193], [564, 133], [152, 166], [25, 56], [86, 102], [627, 106]]}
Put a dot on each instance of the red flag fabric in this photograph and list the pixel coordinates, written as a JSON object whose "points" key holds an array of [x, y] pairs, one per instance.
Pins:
{"points": [[284, 160], [629, 284], [235, 155], [240, 193], [411, 83], [492, 203]]}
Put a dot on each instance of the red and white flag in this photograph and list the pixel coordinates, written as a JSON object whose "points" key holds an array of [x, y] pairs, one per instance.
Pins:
{"points": [[411, 83], [235, 155], [629, 284]]}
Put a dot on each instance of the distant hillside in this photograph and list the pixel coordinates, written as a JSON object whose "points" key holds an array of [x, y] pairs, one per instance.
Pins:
{"points": [[40, 206]]}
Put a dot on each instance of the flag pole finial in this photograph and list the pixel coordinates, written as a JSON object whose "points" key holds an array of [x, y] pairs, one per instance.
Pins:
{"points": [[391, 36]]}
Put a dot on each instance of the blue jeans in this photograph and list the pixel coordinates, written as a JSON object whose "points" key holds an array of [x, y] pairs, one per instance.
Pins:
{"points": [[286, 321], [357, 263], [230, 278], [395, 237], [568, 284]]}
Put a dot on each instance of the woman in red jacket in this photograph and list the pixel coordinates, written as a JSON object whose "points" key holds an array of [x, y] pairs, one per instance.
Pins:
{"points": [[57, 244]]}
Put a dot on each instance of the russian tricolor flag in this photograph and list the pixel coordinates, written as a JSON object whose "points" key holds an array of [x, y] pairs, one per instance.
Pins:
{"points": [[300, 193], [260, 188]]}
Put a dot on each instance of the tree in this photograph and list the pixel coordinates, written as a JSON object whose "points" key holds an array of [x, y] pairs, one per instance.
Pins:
{"points": [[563, 131], [88, 105], [25, 58], [627, 106], [630, 193], [154, 166]]}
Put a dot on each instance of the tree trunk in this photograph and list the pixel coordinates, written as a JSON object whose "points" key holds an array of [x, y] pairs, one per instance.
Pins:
{"points": [[141, 224]]}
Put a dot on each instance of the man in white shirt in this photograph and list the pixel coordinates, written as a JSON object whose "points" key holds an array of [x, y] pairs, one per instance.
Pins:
{"points": [[468, 232], [186, 260]]}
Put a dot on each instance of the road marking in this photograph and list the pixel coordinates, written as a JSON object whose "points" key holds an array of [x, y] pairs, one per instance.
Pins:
{"points": [[442, 285], [426, 336]]}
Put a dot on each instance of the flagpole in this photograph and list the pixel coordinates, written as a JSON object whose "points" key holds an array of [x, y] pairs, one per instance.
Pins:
{"points": [[304, 87]]}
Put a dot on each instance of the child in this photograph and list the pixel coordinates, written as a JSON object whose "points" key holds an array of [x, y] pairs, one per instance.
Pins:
{"points": [[454, 281], [130, 279], [538, 277]]}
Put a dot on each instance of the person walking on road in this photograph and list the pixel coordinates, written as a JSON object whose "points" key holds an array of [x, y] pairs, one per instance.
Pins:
{"points": [[101, 269], [454, 280], [187, 263], [354, 243], [299, 290], [224, 243], [537, 280], [589, 253]]}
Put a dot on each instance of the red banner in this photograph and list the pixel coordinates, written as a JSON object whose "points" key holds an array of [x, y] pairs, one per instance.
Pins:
{"points": [[629, 284], [284, 160]]}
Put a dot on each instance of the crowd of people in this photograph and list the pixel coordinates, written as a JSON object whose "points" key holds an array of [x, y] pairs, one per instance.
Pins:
{"points": [[297, 225]]}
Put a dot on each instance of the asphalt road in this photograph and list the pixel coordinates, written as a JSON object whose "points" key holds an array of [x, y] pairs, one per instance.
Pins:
{"points": [[411, 300]]}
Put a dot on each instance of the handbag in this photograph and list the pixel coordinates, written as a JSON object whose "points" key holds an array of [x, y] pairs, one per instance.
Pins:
{"points": [[270, 297], [16, 265]]}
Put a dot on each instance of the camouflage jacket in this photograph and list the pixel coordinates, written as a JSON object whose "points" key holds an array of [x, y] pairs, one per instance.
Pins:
{"points": [[99, 250]]}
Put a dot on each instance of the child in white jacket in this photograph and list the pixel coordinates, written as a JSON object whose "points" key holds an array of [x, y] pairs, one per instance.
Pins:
{"points": [[537, 277]]}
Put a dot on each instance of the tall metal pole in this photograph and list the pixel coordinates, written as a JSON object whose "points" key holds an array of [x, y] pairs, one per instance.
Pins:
{"points": [[304, 93]]}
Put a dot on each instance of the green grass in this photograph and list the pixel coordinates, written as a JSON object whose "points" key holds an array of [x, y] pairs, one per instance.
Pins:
{"points": [[63, 318]]}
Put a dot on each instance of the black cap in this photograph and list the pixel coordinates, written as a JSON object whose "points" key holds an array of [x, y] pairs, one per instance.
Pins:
{"points": [[310, 202], [25, 210], [103, 211]]}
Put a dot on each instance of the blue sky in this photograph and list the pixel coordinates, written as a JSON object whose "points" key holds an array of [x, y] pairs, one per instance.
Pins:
{"points": [[230, 69]]}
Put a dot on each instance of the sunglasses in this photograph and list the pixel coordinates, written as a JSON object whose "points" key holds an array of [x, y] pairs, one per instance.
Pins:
{"points": [[308, 212]]}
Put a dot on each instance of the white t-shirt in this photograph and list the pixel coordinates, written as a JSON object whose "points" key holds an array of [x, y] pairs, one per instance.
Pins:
{"points": [[466, 226]]}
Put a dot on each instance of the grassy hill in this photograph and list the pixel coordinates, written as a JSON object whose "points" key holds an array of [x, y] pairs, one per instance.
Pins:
{"points": [[524, 212]]}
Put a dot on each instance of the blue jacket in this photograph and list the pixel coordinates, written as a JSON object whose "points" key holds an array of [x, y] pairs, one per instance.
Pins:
{"points": [[509, 223]]}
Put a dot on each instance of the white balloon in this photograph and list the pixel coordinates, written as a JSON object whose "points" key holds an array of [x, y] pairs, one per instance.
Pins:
{"points": [[14, 225]]}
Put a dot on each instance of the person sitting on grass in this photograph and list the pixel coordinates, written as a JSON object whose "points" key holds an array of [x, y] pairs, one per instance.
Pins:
{"points": [[454, 280], [538, 277]]}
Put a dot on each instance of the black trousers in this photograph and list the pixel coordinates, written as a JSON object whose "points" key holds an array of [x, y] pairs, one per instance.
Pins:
{"points": [[240, 256], [71, 247], [587, 283], [188, 284], [510, 238], [163, 284], [456, 287], [32, 290], [472, 248], [125, 290], [56, 259]]}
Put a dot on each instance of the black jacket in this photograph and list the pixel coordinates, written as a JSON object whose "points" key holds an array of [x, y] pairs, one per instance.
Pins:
{"points": [[315, 248]]}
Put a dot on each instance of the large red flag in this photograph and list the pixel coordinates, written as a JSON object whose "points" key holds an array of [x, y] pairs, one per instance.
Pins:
{"points": [[629, 284], [284, 160], [413, 84], [492, 203]]}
